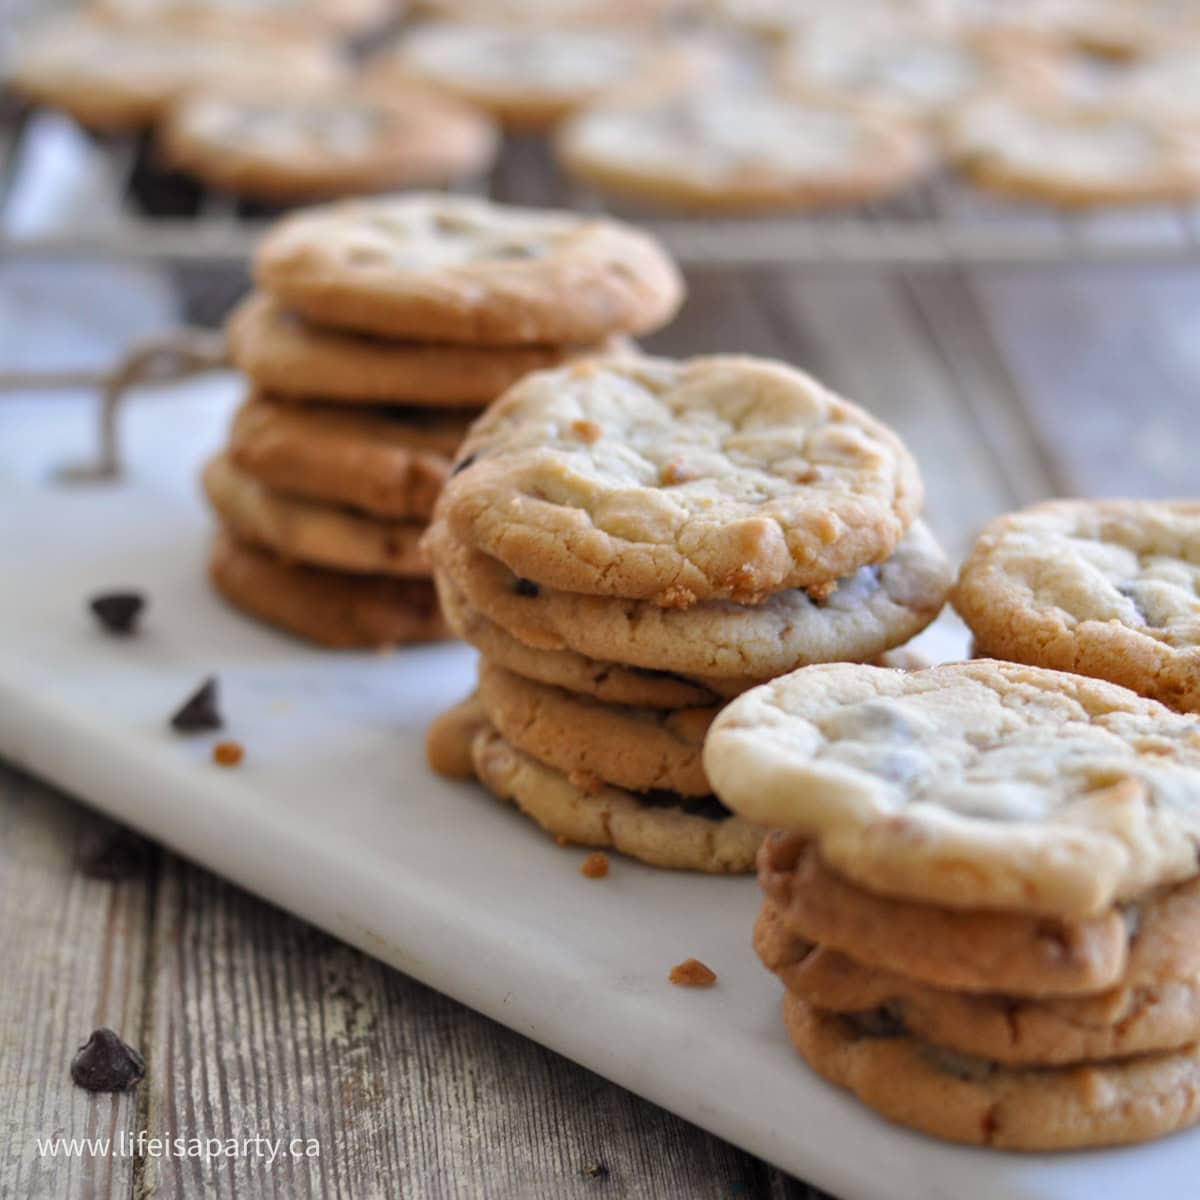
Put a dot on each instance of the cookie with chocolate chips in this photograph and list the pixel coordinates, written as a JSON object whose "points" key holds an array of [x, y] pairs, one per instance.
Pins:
{"points": [[965, 1098], [724, 644], [663, 829], [1109, 588], [456, 269]]}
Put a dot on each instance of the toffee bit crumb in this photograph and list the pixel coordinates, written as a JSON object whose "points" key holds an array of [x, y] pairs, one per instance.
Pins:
{"points": [[228, 754], [526, 587], [118, 612], [676, 597], [676, 471], [692, 973], [199, 711], [104, 1063], [595, 866], [114, 853], [587, 431], [819, 593]]}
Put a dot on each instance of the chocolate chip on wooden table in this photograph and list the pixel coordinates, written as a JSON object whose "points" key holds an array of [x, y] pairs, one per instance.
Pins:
{"points": [[104, 1063], [114, 852], [199, 712], [118, 612]]}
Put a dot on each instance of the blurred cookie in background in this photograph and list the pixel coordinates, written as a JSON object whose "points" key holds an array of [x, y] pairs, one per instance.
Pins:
{"points": [[283, 144], [740, 149], [1073, 155], [338, 17], [910, 68], [527, 78], [115, 77], [548, 13]]}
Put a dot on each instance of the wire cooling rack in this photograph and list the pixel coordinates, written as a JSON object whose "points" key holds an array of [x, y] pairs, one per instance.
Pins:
{"points": [[943, 222]]}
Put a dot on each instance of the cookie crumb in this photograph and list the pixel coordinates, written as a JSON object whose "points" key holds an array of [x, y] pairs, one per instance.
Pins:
{"points": [[676, 471], [595, 866], [587, 431], [104, 1063], [385, 649], [228, 754], [199, 711], [118, 612], [676, 597], [561, 839], [692, 973], [596, 1170]]}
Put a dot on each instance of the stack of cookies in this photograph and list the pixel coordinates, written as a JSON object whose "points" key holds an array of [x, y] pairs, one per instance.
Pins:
{"points": [[380, 330], [629, 542], [982, 896], [1109, 588]]}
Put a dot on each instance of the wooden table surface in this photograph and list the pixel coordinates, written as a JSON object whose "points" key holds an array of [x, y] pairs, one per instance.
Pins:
{"points": [[1010, 385]]}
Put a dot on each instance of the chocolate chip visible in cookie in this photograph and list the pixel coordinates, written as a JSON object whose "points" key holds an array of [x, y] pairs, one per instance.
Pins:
{"points": [[972, 785], [1109, 588]]}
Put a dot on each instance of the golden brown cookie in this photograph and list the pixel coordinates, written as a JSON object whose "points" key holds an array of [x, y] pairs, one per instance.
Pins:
{"points": [[720, 642], [740, 149], [308, 532], [387, 462], [1073, 155], [113, 77], [608, 682], [661, 829], [287, 356], [971, 785], [1047, 1031], [327, 607], [526, 77], [676, 481], [449, 736], [594, 744], [456, 269], [1109, 588], [283, 144], [968, 950], [253, 16], [980, 1102]]}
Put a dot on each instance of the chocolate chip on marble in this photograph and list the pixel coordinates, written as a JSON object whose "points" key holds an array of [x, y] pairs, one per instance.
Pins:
{"points": [[199, 712], [118, 612], [104, 1063]]}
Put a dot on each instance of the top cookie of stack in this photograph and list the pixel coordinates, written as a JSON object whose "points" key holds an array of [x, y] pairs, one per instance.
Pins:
{"points": [[381, 328], [628, 541]]}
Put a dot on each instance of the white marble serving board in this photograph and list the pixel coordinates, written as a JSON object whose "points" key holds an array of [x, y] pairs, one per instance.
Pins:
{"points": [[334, 816]]}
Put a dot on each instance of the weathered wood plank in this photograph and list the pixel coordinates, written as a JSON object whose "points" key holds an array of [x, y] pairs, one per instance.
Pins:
{"points": [[73, 950], [263, 1025], [1107, 361]]}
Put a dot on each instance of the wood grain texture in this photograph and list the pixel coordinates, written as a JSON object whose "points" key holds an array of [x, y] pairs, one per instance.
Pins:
{"points": [[1107, 363], [264, 1025], [73, 951]]}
